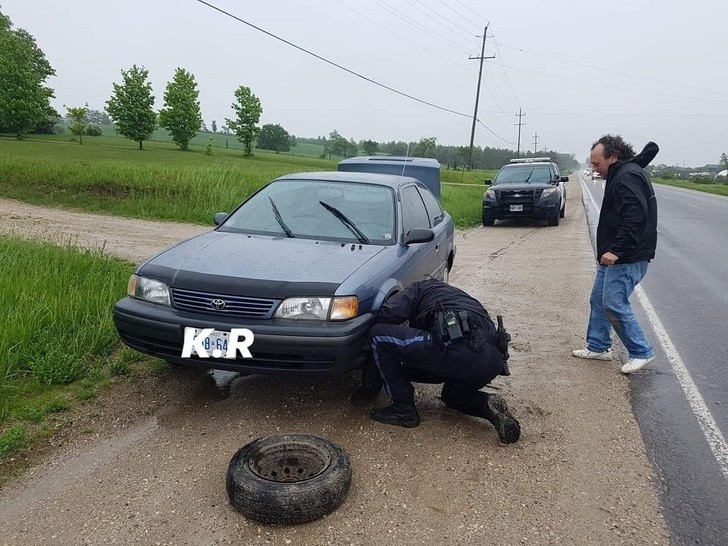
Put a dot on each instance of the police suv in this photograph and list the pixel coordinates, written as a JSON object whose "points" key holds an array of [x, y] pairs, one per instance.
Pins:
{"points": [[526, 188]]}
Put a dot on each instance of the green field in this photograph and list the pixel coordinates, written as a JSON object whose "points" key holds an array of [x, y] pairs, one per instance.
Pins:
{"points": [[111, 175], [57, 330], [717, 189]]}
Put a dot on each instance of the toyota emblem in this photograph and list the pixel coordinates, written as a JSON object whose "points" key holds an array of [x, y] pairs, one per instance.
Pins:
{"points": [[218, 304]]}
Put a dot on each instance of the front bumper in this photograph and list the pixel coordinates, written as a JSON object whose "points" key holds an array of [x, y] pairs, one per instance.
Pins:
{"points": [[280, 347], [540, 210]]}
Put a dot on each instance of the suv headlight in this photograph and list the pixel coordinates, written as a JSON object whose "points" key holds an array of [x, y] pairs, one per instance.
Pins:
{"points": [[548, 192], [151, 290], [490, 193], [339, 308]]}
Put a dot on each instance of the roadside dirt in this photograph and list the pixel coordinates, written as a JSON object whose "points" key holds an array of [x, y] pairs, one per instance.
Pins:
{"points": [[148, 464]]}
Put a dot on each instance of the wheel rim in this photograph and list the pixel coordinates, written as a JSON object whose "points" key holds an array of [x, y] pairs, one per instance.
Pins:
{"points": [[291, 462]]}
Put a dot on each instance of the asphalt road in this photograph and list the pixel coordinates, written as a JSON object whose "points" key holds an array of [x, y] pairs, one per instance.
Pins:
{"points": [[681, 400]]}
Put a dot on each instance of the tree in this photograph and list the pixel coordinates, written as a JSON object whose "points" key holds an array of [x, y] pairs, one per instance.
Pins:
{"points": [[181, 115], [247, 114], [724, 160], [24, 99], [214, 126], [425, 147], [369, 146], [79, 122], [274, 137], [132, 105], [96, 117]]}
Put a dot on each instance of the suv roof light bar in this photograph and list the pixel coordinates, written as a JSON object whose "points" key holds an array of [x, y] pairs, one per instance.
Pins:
{"points": [[530, 160]]}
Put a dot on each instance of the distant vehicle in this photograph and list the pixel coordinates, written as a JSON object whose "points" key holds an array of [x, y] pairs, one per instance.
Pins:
{"points": [[304, 263], [526, 188], [595, 175]]}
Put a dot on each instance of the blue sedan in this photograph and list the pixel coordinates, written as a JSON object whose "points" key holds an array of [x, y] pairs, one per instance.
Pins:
{"points": [[303, 264]]}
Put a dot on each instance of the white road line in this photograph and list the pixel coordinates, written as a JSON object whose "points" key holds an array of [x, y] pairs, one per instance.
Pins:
{"points": [[713, 435], [693, 206], [707, 423]]}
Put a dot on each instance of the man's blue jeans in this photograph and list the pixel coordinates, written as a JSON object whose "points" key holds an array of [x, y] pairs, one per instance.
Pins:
{"points": [[610, 307]]}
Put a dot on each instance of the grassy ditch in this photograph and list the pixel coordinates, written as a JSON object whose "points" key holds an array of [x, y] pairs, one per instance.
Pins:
{"points": [[109, 175], [56, 336], [717, 189]]}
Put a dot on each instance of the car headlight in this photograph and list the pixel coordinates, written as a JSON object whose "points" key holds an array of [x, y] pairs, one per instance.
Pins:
{"points": [[548, 192], [151, 290], [341, 308], [490, 193]]}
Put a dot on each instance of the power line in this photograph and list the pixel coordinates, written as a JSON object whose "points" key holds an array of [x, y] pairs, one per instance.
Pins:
{"points": [[460, 14], [495, 134], [441, 18], [600, 69], [399, 35], [471, 11], [416, 24], [332, 63]]}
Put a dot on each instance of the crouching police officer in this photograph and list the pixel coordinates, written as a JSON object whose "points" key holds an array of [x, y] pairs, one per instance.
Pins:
{"points": [[450, 339]]}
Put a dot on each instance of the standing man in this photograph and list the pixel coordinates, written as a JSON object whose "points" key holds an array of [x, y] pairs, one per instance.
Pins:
{"points": [[626, 242], [449, 339]]}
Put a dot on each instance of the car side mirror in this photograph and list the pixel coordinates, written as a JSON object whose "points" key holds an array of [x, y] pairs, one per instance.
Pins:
{"points": [[564, 178], [487, 181], [419, 235], [220, 218]]}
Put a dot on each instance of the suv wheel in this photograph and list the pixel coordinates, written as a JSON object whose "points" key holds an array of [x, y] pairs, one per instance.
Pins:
{"points": [[554, 220], [563, 211], [488, 220]]}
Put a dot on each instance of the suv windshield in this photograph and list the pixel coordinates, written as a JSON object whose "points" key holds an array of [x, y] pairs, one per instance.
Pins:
{"points": [[313, 209], [525, 174]]}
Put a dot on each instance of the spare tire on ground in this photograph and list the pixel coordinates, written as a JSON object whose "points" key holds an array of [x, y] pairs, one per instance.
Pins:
{"points": [[290, 478]]}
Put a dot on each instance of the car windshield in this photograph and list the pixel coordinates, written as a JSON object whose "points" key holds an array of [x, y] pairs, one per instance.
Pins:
{"points": [[314, 209], [523, 174]]}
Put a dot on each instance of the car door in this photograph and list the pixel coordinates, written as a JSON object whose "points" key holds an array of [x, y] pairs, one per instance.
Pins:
{"points": [[441, 241], [420, 259]]}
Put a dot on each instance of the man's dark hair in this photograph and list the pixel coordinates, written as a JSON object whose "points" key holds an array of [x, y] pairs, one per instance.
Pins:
{"points": [[615, 145]]}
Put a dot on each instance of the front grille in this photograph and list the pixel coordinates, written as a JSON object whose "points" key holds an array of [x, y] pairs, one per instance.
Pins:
{"points": [[517, 197], [235, 306]]}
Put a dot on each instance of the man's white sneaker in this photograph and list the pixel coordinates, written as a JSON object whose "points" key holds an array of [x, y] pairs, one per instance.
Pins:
{"points": [[592, 355], [634, 364]]}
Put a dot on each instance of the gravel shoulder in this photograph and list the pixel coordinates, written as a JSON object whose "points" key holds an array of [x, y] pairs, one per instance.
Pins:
{"points": [[148, 464]]}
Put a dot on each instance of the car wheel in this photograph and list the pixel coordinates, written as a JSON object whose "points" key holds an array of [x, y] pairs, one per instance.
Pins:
{"points": [[563, 211], [554, 220], [286, 479], [488, 220]]}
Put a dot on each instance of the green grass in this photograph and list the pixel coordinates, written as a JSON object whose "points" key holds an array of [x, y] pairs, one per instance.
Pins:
{"points": [[55, 306], [717, 189], [110, 175]]}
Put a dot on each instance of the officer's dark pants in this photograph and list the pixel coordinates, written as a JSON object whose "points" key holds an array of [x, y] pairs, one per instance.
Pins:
{"points": [[403, 354]]}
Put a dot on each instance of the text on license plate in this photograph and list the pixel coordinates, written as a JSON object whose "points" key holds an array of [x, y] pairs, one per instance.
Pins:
{"points": [[216, 340], [516, 208]]}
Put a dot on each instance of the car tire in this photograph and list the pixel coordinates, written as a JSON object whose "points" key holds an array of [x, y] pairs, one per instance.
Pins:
{"points": [[287, 479], [563, 211], [488, 220], [554, 220]]}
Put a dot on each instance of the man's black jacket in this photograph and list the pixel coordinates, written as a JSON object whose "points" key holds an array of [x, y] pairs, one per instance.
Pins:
{"points": [[628, 218], [419, 302]]}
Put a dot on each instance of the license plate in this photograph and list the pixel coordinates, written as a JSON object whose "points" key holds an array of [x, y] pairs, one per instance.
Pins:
{"points": [[516, 208], [217, 340]]}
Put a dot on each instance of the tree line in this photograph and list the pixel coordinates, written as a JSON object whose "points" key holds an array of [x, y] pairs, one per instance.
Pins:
{"points": [[25, 107]]}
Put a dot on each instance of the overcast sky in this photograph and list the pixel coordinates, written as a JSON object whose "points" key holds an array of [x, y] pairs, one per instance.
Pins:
{"points": [[648, 70]]}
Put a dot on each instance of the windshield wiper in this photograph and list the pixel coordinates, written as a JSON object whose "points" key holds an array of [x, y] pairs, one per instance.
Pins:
{"points": [[279, 219], [529, 176], [348, 223]]}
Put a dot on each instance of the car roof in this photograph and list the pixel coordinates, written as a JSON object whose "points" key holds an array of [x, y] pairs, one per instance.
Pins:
{"points": [[390, 180]]}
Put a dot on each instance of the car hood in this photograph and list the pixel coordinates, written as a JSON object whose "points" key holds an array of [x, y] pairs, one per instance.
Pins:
{"points": [[523, 186], [239, 263]]}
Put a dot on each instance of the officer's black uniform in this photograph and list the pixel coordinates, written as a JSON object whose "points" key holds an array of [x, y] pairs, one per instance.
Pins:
{"points": [[415, 352]]}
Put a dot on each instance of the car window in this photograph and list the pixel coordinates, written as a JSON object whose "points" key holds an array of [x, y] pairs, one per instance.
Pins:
{"points": [[433, 207], [414, 213], [315, 209], [524, 174]]}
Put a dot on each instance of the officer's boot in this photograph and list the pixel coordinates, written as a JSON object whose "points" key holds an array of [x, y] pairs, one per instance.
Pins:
{"points": [[497, 412], [403, 414], [488, 406]]}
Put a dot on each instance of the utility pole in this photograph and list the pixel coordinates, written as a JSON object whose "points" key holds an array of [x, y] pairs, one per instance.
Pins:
{"points": [[519, 115], [477, 96], [535, 144]]}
